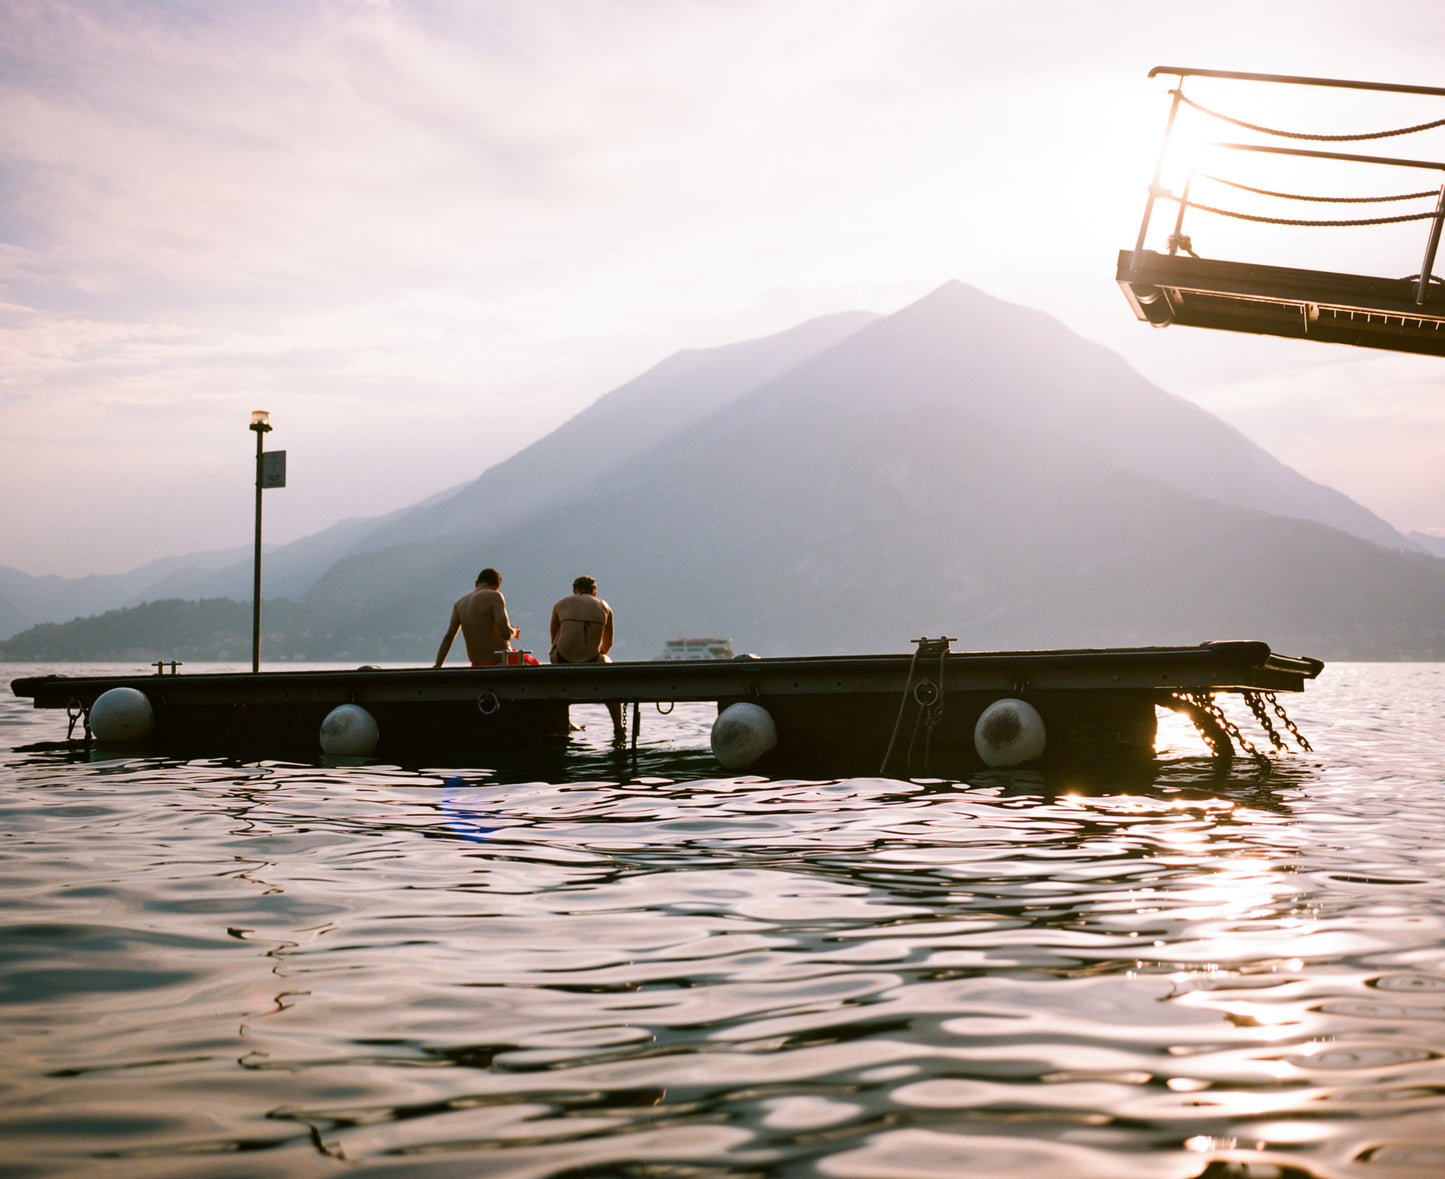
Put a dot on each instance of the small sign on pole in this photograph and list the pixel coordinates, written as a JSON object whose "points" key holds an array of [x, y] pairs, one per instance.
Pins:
{"points": [[273, 468]]}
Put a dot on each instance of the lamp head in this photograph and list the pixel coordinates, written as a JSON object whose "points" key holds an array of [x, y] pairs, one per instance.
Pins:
{"points": [[260, 421]]}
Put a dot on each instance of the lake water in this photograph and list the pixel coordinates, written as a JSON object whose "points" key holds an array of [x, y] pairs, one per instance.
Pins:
{"points": [[607, 967]]}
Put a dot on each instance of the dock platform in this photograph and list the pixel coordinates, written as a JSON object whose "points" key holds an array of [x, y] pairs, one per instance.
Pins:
{"points": [[895, 714]]}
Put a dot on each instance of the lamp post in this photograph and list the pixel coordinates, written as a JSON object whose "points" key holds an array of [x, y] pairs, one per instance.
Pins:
{"points": [[261, 425]]}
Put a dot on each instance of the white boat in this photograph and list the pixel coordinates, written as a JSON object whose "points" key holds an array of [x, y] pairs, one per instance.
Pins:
{"points": [[697, 649]]}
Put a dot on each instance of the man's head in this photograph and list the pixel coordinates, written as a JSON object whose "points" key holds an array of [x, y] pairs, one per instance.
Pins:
{"points": [[489, 578], [585, 585]]}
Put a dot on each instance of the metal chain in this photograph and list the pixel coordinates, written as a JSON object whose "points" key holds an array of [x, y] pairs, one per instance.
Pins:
{"points": [[1257, 701], [1289, 724], [1256, 706], [1204, 732], [1207, 702]]}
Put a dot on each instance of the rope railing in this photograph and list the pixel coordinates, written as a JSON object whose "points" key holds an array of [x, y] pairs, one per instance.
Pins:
{"points": [[1335, 200], [1178, 239], [1303, 221], [1323, 223], [1281, 134]]}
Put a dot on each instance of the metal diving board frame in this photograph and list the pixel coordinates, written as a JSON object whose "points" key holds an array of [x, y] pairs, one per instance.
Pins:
{"points": [[1179, 287]]}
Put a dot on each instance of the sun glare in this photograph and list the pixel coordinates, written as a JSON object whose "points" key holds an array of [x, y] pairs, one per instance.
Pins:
{"points": [[1257, 163]]}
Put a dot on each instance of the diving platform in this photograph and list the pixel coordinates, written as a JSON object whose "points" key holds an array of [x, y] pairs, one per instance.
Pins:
{"points": [[1172, 277], [1165, 289]]}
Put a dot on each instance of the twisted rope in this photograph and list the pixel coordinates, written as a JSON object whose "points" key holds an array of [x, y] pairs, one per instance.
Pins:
{"points": [[902, 705], [1304, 134], [1293, 196], [1307, 222]]}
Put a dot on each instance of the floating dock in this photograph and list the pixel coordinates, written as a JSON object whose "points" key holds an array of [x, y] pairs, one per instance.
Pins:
{"points": [[920, 713]]}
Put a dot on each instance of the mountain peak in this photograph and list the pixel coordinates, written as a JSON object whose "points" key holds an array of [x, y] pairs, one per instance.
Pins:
{"points": [[953, 297]]}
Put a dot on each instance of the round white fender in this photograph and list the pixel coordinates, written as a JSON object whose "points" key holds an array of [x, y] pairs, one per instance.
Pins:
{"points": [[349, 731], [122, 715], [741, 734], [1009, 733]]}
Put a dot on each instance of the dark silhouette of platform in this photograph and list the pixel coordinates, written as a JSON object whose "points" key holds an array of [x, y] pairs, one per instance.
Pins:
{"points": [[1278, 301], [835, 715]]}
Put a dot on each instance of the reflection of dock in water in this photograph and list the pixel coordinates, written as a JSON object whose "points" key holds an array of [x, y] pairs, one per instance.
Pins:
{"points": [[935, 711], [1173, 284]]}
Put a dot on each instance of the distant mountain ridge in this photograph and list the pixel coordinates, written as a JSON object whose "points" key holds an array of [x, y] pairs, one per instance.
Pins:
{"points": [[1429, 542], [964, 464], [1017, 366], [626, 423], [623, 422]]}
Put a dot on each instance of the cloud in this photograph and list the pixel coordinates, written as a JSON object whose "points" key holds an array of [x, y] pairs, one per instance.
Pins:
{"points": [[424, 233]]}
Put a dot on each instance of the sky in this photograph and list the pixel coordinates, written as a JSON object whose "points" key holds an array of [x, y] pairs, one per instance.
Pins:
{"points": [[422, 234]]}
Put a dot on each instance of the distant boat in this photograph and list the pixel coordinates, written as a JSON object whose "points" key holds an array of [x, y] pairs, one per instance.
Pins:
{"points": [[697, 649]]}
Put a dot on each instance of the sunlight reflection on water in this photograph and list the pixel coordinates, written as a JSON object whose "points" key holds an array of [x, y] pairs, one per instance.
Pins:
{"points": [[213, 969]]}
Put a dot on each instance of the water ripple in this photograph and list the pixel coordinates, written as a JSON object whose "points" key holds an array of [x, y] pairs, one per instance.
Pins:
{"points": [[633, 966]]}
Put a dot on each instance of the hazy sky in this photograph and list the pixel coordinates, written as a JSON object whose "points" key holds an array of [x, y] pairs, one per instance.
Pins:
{"points": [[423, 234]]}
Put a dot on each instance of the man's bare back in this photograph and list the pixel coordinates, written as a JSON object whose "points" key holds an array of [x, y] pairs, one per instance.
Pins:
{"points": [[481, 616], [581, 629], [582, 633]]}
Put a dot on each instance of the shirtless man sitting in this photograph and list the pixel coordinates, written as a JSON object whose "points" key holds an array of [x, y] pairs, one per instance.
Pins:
{"points": [[481, 616], [582, 633]]}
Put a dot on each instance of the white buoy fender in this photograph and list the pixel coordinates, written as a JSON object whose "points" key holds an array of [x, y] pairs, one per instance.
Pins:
{"points": [[349, 731], [122, 715], [1009, 733], [741, 734]]}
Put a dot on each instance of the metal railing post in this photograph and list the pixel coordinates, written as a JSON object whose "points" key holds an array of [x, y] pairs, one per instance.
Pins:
{"points": [[1158, 173], [1177, 236], [1429, 264]]}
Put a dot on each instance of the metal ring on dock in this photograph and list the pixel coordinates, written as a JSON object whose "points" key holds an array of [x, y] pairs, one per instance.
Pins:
{"points": [[671, 704], [488, 703], [925, 692]]}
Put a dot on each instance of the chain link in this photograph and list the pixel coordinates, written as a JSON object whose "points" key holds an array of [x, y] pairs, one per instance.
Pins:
{"points": [[1205, 731], [1206, 703], [1288, 724], [1256, 706]]}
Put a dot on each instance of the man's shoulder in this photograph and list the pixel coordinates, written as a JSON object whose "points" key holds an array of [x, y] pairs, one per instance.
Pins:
{"points": [[480, 594]]}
